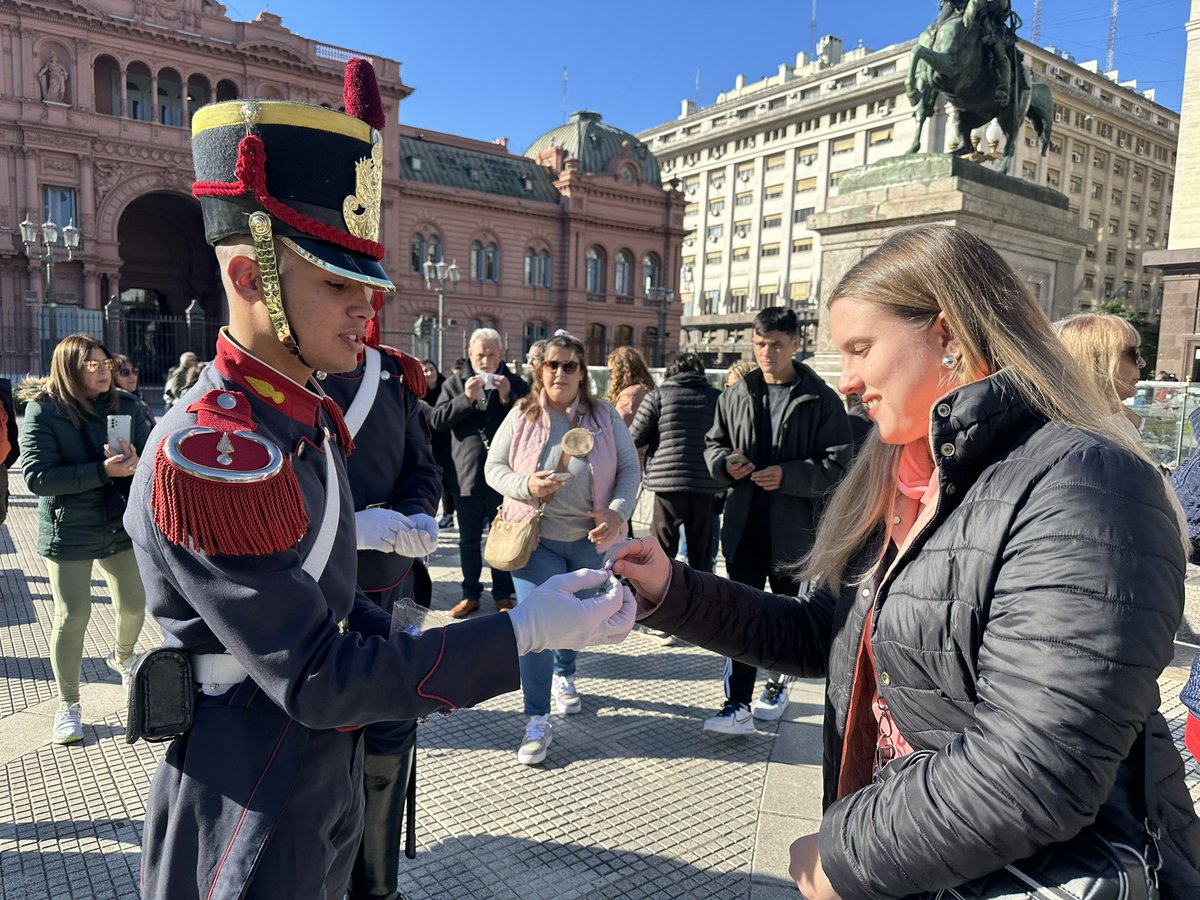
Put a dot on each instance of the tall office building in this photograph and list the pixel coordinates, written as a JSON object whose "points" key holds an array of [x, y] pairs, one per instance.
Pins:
{"points": [[760, 161]]}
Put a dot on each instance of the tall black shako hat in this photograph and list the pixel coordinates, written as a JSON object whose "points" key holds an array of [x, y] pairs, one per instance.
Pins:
{"points": [[308, 175]]}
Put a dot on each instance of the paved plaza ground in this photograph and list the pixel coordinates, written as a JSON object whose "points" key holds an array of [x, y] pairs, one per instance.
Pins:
{"points": [[634, 800]]}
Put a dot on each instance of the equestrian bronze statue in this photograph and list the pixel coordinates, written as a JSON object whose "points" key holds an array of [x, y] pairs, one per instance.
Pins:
{"points": [[969, 55]]}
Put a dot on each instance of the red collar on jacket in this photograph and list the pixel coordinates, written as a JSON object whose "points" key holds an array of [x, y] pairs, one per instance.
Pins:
{"points": [[238, 364]]}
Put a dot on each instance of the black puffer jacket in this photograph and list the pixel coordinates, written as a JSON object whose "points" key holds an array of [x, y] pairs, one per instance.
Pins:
{"points": [[1019, 638], [671, 424]]}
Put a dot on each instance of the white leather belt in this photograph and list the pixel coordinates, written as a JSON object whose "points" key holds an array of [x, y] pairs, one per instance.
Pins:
{"points": [[216, 672]]}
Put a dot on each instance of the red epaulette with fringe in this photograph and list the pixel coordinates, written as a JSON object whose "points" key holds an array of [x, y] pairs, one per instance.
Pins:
{"points": [[221, 489], [410, 366]]}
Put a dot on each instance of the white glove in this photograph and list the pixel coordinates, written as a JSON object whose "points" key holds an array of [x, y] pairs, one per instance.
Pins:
{"points": [[552, 617], [418, 535], [376, 529]]}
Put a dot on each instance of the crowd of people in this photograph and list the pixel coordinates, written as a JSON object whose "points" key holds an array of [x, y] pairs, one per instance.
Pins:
{"points": [[977, 555]]}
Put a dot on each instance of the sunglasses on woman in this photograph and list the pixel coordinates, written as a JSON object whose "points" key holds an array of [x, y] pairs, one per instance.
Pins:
{"points": [[126, 372], [1135, 357], [93, 365], [570, 367]]}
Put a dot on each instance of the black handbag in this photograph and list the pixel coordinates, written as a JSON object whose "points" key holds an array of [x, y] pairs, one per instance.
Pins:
{"points": [[1089, 866]]}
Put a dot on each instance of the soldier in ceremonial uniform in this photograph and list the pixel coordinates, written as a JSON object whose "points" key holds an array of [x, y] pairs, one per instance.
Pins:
{"points": [[396, 485], [243, 523]]}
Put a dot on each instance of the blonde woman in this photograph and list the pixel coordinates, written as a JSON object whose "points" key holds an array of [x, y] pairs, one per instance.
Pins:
{"points": [[630, 382], [998, 582], [81, 485], [1109, 349]]}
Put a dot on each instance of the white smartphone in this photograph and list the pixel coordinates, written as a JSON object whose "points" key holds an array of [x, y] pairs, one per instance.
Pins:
{"points": [[119, 427], [559, 476]]}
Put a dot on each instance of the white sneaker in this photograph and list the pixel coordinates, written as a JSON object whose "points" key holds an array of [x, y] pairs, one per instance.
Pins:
{"points": [[68, 724], [771, 702], [537, 741], [732, 719], [566, 698], [125, 669]]}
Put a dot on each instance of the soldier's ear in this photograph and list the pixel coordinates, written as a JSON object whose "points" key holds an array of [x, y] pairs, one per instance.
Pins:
{"points": [[243, 276]]}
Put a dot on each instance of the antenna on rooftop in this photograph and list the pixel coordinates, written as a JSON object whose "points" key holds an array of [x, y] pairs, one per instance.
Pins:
{"points": [[812, 33], [1035, 30], [697, 88], [566, 79], [1112, 38]]}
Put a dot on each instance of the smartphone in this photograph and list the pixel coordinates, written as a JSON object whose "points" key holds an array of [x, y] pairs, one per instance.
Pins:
{"points": [[738, 459], [559, 476], [119, 427]]}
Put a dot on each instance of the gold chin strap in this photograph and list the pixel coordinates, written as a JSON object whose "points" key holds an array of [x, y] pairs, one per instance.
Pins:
{"points": [[264, 247]]}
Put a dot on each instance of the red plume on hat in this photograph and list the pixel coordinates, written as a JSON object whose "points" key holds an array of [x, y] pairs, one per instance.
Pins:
{"points": [[361, 93]]}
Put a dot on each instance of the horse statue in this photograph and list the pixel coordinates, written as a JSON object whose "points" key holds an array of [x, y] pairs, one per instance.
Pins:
{"points": [[969, 56]]}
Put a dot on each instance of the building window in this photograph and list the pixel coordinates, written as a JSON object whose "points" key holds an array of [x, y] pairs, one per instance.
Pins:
{"points": [[1097, 190], [716, 207], [741, 228], [799, 291], [745, 171], [740, 253], [58, 205], [769, 250], [477, 261], [140, 105], [546, 275], [1076, 184], [650, 343], [712, 259], [534, 332], [806, 155], [492, 262], [622, 336], [716, 179], [804, 185], [596, 264], [715, 232], [774, 162], [773, 192], [768, 296], [623, 274], [744, 199], [842, 145], [597, 344], [773, 221], [709, 303], [880, 136], [170, 98], [651, 269], [738, 299], [802, 245], [531, 268], [801, 215]]}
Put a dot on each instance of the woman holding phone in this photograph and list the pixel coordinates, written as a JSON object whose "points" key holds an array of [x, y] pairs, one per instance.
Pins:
{"points": [[569, 454], [81, 483]]}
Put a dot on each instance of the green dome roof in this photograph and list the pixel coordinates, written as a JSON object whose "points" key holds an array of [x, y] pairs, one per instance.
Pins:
{"points": [[595, 145]]}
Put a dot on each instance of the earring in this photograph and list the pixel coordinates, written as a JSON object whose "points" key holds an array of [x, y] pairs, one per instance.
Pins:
{"points": [[949, 361]]}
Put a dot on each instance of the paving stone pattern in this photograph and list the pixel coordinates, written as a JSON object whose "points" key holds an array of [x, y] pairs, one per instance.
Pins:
{"points": [[633, 801]]}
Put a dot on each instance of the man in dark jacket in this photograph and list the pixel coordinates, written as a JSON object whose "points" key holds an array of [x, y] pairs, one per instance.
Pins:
{"points": [[671, 424], [471, 407], [782, 439]]}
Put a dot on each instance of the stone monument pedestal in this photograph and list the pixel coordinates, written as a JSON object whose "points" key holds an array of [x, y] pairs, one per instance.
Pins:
{"points": [[1032, 227]]}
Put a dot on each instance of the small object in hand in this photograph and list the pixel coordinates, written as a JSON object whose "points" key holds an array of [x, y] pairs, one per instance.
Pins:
{"points": [[559, 476], [489, 380], [738, 459]]}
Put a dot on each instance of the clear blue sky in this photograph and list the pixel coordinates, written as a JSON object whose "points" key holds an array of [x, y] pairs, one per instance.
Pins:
{"points": [[491, 69]]}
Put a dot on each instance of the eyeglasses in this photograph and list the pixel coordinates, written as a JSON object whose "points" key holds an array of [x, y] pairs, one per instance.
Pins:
{"points": [[570, 367], [126, 372], [93, 365], [1135, 357]]}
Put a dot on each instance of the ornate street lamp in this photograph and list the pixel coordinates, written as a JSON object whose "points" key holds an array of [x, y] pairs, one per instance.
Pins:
{"points": [[437, 275], [660, 299], [71, 241]]}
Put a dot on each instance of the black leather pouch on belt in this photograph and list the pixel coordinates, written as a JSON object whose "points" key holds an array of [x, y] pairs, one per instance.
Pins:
{"points": [[162, 696]]}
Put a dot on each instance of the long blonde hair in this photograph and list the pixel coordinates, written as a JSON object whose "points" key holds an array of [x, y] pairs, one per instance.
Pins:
{"points": [[1097, 342], [915, 275]]}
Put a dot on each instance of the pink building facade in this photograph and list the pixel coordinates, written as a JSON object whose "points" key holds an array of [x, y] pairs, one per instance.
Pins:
{"points": [[579, 233], [96, 100]]}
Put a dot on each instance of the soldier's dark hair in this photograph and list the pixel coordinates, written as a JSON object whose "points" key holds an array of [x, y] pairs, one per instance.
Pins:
{"points": [[776, 318], [684, 362]]}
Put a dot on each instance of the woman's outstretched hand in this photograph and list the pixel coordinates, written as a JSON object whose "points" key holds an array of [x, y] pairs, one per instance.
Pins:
{"points": [[645, 565]]}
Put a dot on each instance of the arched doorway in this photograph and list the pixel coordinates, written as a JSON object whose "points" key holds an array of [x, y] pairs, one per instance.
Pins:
{"points": [[166, 264]]}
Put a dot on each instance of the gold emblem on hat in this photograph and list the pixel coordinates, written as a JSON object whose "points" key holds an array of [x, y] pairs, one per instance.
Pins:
{"points": [[361, 209], [251, 112]]}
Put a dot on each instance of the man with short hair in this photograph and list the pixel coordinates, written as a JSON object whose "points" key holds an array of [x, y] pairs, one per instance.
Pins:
{"points": [[782, 440], [177, 379], [532, 357], [471, 407]]}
